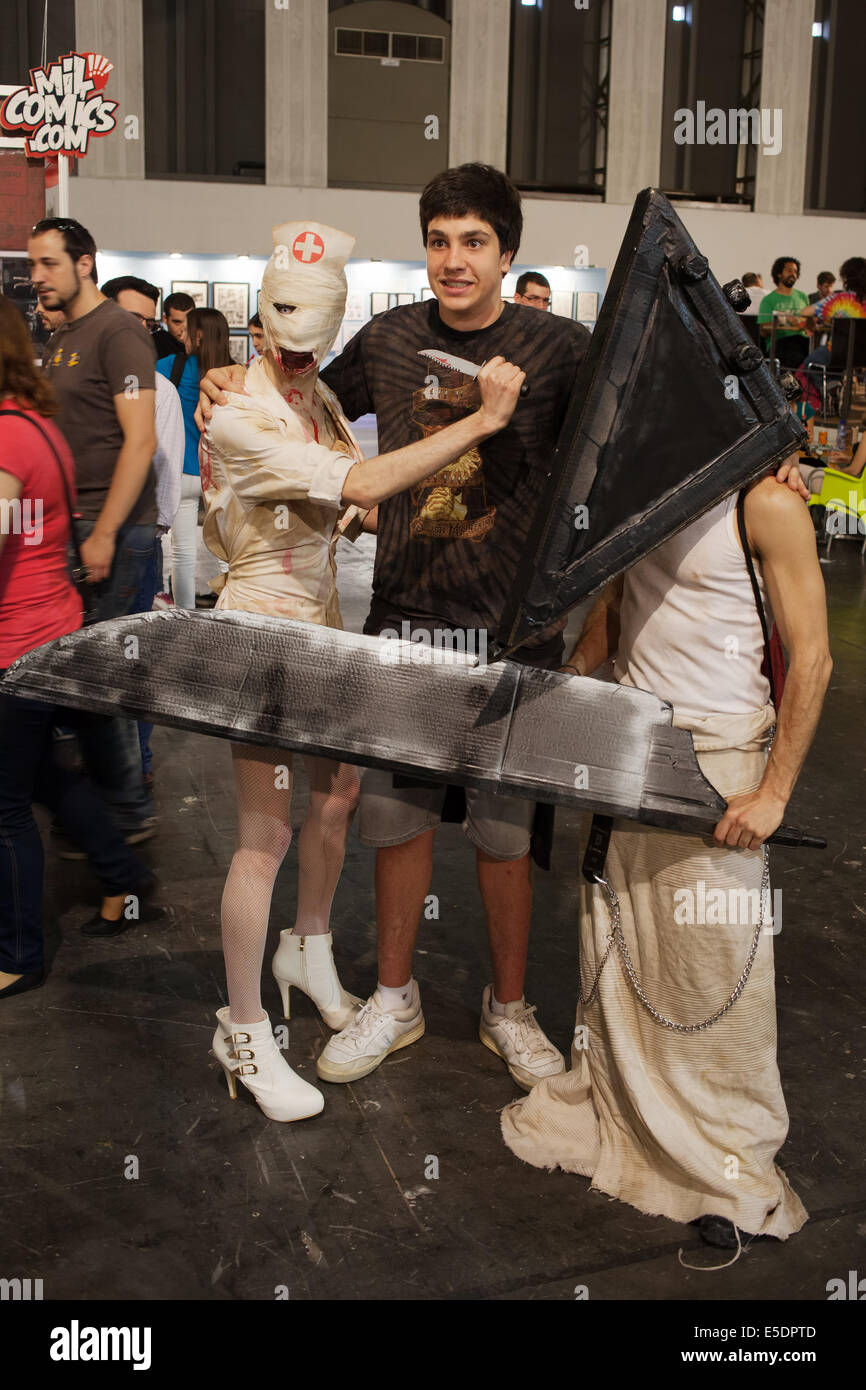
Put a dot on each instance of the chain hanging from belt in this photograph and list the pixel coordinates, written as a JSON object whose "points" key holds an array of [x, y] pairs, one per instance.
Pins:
{"points": [[598, 846]]}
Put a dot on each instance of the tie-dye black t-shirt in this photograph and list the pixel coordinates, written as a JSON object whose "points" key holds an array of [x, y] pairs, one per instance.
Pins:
{"points": [[448, 548]]}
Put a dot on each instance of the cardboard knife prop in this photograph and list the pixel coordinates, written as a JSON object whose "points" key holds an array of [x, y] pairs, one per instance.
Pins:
{"points": [[460, 364], [404, 706]]}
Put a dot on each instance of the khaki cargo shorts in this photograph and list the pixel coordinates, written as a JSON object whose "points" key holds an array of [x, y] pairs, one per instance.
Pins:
{"points": [[389, 815]]}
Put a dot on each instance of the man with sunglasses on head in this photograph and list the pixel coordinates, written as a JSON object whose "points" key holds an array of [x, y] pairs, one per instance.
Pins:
{"points": [[102, 368]]}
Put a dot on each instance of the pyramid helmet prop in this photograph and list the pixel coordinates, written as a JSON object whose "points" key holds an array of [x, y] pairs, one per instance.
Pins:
{"points": [[303, 295]]}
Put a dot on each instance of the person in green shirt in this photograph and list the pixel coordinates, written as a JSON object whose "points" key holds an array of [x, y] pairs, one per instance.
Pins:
{"points": [[792, 343]]}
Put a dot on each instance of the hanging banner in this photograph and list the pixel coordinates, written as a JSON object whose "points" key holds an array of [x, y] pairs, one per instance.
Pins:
{"points": [[63, 106]]}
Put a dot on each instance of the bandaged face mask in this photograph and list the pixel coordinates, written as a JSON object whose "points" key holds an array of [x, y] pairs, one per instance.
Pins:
{"points": [[303, 296]]}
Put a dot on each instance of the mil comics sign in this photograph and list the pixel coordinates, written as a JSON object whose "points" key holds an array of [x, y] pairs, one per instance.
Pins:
{"points": [[63, 106]]}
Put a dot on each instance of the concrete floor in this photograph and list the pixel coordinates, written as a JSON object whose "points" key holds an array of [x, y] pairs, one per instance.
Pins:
{"points": [[109, 1063]]}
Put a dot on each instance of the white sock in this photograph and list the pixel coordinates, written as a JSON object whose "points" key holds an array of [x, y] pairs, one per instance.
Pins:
{"points": [[495, 1006], [395, 1000]]}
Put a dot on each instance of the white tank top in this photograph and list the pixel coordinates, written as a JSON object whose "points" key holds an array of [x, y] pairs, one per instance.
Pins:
{"points": [[690, 631]]}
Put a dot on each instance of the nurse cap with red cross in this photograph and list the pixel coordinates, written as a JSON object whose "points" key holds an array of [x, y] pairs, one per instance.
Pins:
{"points": [[314, 256]]}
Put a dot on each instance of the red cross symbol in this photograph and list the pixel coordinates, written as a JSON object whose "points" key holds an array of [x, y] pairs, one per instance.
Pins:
{"points": [[308, 247]]}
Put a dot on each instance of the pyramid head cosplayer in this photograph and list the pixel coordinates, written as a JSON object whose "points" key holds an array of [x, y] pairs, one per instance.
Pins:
{"points": [[302, 301]]}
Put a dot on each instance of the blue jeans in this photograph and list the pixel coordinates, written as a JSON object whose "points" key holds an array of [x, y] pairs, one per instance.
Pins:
{"points": [[151, 583], [28, 773], [111, 750]]}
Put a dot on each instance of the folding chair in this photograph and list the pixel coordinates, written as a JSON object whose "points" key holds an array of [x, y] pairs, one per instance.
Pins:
{"points": [[847, 352], [843, 495]]}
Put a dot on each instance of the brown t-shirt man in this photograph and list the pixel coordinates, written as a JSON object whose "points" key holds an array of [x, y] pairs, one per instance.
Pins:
{"points": [[90, 361]]}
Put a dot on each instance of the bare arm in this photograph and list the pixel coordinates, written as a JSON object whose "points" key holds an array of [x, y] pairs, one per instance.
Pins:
{"points": [[843, 464], [10, 490], [136, 418], [782, 535], [375, 479], [600, 636]]}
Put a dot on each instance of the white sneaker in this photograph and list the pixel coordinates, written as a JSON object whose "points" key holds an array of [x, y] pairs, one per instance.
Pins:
{"points": [[529, 1055], [375, 1033]]}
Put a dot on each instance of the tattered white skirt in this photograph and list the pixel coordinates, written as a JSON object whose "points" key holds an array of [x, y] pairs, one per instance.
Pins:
{"points": [[677, 1125]]}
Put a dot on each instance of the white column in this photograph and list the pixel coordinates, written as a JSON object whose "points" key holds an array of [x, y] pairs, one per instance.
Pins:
{"points": [[786, 73], [296, 93], [114, 28], [478, 121], [637, 67]]}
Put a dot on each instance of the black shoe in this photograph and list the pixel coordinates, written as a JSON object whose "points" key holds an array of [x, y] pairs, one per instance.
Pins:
{"points": [[720, 1232], [29, 980], [103, 926]]}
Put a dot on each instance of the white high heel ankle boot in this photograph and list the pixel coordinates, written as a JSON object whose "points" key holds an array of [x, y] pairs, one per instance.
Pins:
{"points": [[308, 963], [249, 1051]]}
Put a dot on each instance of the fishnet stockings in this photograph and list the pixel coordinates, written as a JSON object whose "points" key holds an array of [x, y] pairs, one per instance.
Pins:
{"points": [[263, 778]]}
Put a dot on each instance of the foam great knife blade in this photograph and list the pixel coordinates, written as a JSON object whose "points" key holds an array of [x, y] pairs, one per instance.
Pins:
{"points": [[460, 364], [506, 728]]}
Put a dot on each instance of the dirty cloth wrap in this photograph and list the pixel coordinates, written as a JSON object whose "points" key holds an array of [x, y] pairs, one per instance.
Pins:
{"points": [[273, 498], [655, 1117]]}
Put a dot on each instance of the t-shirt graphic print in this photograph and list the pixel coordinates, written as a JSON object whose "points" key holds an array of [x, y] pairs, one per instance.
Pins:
{"points": [[447, 550], [453, 503]]}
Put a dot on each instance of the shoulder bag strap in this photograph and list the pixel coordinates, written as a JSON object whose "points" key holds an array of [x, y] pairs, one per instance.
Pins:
{"points": [[744, 540], [177, 368], [78, 576]]}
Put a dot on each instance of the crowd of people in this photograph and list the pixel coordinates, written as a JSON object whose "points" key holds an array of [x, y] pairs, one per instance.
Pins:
{"points": [[118, 443], [801, 319]]}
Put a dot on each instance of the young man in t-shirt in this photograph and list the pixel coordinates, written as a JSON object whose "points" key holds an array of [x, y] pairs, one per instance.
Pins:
{"points": [[101, 365], [446, 555], [173, 340]]}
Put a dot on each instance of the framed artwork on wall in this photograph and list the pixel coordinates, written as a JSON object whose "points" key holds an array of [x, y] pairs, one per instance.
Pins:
{"points": [[380, 300], [196, 289], [562, 303], [587, 306], [233, 300], [240, 347]]}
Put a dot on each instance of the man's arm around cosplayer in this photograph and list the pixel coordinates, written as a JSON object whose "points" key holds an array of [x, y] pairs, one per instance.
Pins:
{"points": [[375, 479]]}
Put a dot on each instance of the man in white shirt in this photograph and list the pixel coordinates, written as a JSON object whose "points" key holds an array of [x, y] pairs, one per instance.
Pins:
{"points": [[140, 299], [753, 283]]}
